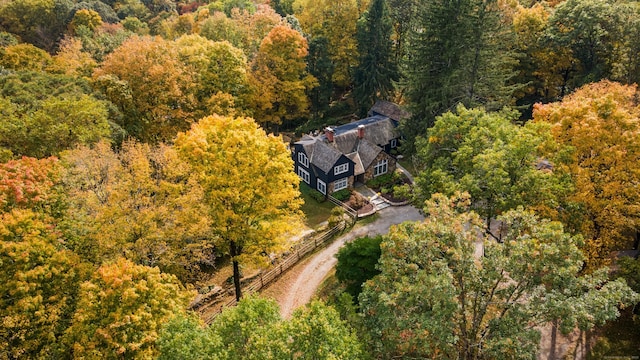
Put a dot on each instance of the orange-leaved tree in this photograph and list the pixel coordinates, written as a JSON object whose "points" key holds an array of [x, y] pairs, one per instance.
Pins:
{"points": [[250, 189], [600, 125]]}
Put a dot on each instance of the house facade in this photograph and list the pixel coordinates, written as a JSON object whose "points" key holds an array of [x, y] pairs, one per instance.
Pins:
{"points": [[343, 155]]}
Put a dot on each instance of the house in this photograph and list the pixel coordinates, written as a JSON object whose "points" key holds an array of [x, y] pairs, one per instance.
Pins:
{"points": [[343, 155]]}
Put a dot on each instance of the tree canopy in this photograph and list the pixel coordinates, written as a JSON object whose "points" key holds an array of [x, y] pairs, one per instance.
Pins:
{"points": [[250, 190], [435, 297]]}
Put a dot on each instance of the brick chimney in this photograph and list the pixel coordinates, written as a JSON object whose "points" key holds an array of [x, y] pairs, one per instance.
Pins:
{"points": [[360, 132], [328, 132]]}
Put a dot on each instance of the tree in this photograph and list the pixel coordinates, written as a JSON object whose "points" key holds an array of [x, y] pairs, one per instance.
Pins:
{"points": [[121, 310], [54, 124], [28, 183], [219, 70], [434, 298], [39, 282], [186, 338], [336, 21], [590, 30], [317, 332], [24, 57], [376, 71], [320, 66], [150, 86], [598, 128], [243, 328], [491, 158], [250, 189], [255, 330], [459, 54], [38, 22], [357, 262], [72, 60], [280, 78], [141, 203], [543, 67]]}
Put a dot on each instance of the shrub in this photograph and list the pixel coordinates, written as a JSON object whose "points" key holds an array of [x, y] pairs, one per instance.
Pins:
{"points": [[337, 216], [342, 195], [312, 193], [317, 196], [380, 181]]}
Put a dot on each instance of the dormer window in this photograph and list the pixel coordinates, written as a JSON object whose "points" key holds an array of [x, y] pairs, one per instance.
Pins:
{"points": [[342, 168], [303, 159]]}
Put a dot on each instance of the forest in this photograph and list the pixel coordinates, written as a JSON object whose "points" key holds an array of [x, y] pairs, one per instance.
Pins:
{"points": [[141, 146]]}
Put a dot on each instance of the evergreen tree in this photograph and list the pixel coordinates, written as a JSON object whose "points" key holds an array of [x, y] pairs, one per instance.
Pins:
{"points": [[458, 54], [319, 65], [376, 71]]}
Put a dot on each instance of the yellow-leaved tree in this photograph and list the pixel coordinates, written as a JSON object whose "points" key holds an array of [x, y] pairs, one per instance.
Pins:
{"points": [[250, 189], [599, 124], [121, 310]]}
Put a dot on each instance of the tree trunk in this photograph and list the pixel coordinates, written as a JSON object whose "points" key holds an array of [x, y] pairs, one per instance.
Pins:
{"points": [[233, 251], [554, 339]]}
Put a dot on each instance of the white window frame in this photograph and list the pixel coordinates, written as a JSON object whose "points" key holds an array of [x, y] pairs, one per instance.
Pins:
{"points": [[394, 143], [303, 159], [340, 184], [322, 187], [304, 175], [381, 167], [342, 168]]}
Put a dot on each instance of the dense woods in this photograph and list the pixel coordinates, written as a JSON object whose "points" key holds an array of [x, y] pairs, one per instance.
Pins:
{"points": [[140, 148]]}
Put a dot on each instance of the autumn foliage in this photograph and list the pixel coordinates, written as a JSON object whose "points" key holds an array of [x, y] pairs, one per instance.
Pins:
{"points": [[599, 126]]}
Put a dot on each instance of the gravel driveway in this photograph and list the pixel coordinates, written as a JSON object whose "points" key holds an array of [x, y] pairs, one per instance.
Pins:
{"points": [[297, 287]]}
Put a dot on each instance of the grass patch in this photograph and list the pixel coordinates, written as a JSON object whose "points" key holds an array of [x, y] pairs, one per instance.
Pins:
{"points": [[368, 220], [315, 212]]}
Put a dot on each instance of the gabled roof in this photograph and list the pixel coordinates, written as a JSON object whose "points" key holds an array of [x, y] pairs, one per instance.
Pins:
{"points": [[320, 154], [364, 155], [389, 109], [378, 130]]}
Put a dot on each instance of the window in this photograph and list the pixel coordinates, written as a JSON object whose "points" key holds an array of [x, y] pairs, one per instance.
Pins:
{"points": [[303, 159], [343, 168], [380, 168], [394, 143], [340, 184], [304, 175], [322, 187]]}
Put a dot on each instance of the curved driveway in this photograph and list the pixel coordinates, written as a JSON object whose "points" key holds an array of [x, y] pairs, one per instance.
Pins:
{"points": [[303, 286]]}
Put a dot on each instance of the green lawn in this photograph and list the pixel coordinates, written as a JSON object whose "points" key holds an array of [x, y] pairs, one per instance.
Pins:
{"points": [[315, 212]]}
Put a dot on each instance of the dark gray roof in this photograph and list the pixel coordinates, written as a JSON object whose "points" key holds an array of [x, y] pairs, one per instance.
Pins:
{"points": [[320, 154], [377, 129], [389, 109]]}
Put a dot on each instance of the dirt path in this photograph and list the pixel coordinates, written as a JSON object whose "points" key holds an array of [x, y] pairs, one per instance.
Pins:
{"points": [[300, 283]]}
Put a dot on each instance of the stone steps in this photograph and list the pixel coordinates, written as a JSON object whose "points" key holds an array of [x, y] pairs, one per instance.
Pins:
{"points": [[379, 203]]}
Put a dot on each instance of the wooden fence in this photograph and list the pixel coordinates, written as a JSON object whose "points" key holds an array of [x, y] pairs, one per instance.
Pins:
{"points": [[266, 277], [353, 214]]}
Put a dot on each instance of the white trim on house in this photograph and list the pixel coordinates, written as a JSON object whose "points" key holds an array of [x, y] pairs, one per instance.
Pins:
{"points": [[303, 159], [381, 167], [342, 168], [322, 187], [304, 175], [340, 184], [394, 143]]}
